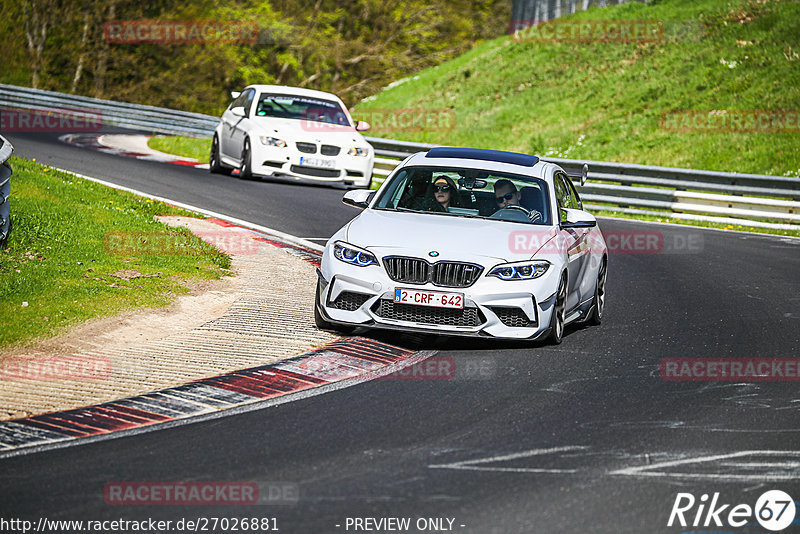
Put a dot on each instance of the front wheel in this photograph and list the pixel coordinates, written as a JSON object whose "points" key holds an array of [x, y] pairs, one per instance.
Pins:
{"points": [[246, 172], [599, 300], [214, 163], [559, 316]]}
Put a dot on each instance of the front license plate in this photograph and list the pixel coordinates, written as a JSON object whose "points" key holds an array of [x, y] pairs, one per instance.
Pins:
{"points": [[436, 299], [317, 162]]}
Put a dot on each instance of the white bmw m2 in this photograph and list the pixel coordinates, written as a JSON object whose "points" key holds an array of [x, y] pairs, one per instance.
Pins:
{"points": [[462, 241]]}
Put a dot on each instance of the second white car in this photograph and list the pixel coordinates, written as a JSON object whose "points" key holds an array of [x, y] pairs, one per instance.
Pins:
{"points": [[292, 133]]}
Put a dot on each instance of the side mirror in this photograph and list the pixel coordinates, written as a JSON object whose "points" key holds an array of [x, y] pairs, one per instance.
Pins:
{"points": [[358, 198], [577, 219], [584, 174], [238, 111], [235, 94], [362, 126]]}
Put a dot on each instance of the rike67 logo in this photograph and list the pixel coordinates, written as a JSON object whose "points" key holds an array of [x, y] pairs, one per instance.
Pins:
{"points": [[774, 510]]}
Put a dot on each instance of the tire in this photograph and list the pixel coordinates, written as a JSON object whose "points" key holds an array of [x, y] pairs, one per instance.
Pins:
{"points": [[559, 313], [599, 300], [323, 324], [214, 163], [246, 172]]}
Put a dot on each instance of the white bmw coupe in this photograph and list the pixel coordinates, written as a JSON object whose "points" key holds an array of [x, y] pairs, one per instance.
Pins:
{"points": [[462, 241], [293, 134]]}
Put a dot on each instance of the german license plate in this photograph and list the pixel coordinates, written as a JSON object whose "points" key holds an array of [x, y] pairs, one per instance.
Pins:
{"points": [[317, 162], [437, 299]]}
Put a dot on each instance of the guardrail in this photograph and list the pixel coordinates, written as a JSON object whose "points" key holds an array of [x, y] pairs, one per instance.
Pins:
{"points": [[663, 191], [134, 116], [751, 199], [5, 188]]}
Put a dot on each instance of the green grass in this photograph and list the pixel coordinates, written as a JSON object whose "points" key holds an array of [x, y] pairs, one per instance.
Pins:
{"points": [[58, 259], [188, 147], [604, 101]]}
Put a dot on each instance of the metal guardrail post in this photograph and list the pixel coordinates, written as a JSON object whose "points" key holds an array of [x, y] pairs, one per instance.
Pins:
{"points": [[5, 188]]}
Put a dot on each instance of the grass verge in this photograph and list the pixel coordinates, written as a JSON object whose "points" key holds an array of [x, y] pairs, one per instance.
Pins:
{"points": [[187, 147], [58, 269]]}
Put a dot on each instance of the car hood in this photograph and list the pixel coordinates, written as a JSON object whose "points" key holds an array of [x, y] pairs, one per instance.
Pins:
{"points": [[454, 238], [308, 130]]}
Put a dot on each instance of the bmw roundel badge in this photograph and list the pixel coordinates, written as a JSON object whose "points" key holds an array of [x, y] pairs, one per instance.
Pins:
{"points": [[433, 253]]}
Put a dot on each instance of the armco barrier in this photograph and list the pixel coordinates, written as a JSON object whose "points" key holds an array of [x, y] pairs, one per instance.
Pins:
{"points": [[751, 199], [5, 188]]}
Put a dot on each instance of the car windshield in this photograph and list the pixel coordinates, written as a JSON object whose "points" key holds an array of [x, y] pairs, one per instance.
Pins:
{"points": [[301, 108], [467, 193]]}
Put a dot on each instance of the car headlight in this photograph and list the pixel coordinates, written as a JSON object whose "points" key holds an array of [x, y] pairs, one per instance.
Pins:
{"points": [[272, 141], [527, 270], [353, 255], [356, 151]]}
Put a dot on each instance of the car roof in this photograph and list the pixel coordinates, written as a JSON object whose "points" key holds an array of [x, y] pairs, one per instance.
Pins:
{"points": [[488, 160], [299, 91]]}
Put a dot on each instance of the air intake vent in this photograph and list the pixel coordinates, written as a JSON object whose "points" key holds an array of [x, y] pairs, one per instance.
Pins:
{"points": [[455, 274], [349, 300], [443, 273], [308, 148], [513, 317], [407, 270], [314, 171], [389, 309]]}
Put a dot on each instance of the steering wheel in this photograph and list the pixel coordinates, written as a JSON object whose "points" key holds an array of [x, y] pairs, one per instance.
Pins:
{"points": [[531, 215], [515, 207]]}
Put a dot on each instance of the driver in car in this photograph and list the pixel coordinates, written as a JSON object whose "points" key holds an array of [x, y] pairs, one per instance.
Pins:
{"points": [[506, 194]]}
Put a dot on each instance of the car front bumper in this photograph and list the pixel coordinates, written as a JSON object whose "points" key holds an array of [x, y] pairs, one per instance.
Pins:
{"points": [[492, 307], [290, 163]]}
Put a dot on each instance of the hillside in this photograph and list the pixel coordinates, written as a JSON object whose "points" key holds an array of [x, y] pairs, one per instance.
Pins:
{"points": [[608, 100]]}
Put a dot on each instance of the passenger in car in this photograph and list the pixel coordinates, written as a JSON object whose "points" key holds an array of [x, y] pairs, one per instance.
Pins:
{"points": [[445, 194]]}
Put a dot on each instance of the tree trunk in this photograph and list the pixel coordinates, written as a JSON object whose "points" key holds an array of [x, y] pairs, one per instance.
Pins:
{"points": [[35, 36], [84, 39], [102, 59]]}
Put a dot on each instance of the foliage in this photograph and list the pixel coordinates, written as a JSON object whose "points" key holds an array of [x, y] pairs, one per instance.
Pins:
{"points": [[349, 47]]}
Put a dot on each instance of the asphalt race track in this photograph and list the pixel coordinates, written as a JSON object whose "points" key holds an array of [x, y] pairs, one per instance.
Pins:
{"points": [[583, 437]]}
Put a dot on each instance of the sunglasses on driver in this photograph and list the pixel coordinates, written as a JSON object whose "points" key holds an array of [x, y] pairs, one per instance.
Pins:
{"points": [[506, 197]]}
